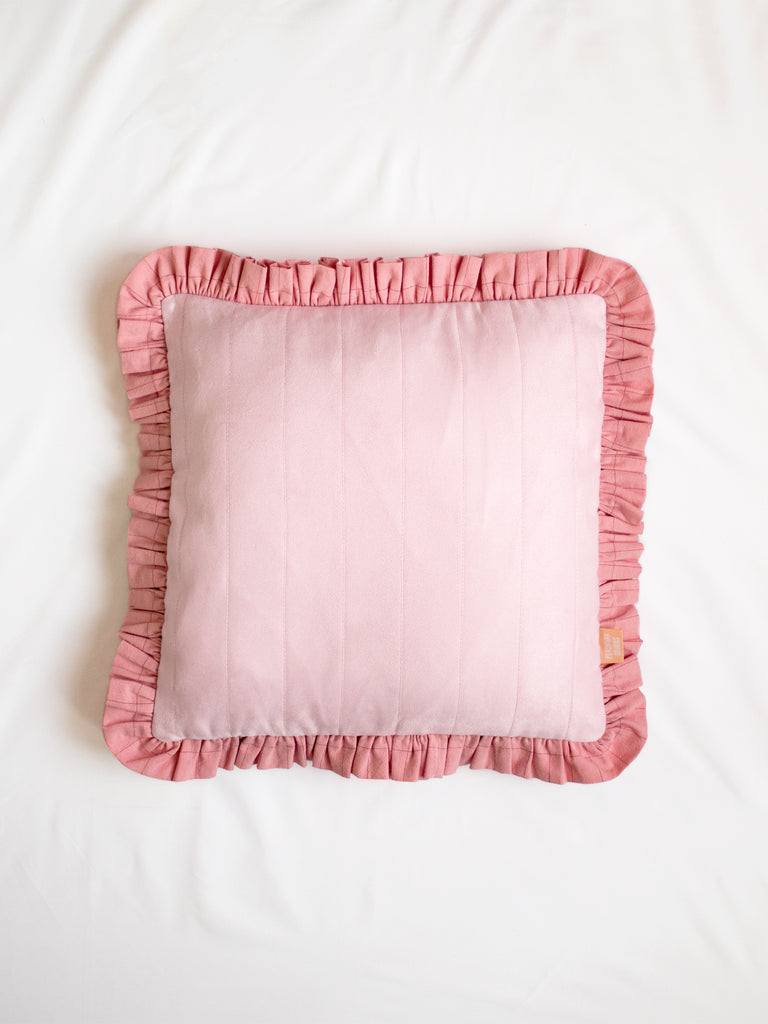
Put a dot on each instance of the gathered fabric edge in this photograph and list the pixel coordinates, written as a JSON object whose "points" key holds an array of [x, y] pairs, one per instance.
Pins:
{"points": [[627, 397]]}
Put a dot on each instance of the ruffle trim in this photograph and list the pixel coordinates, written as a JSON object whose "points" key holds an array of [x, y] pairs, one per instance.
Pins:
{"points": [[627, 395]]}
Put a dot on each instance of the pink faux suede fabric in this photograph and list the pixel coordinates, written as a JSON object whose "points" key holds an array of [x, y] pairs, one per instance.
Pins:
{"points": [[496, 278], [383, 520]]}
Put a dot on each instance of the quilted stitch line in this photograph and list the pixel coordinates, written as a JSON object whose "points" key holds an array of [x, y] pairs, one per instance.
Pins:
{"points": [[285, 520], [227, 518], [521, 546], [573, 484], [402, 524], [462, 529], [343, 503], [185, 453]]}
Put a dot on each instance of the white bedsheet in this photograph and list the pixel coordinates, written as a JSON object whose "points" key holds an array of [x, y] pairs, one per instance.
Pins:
{"points": [[372, 128]]}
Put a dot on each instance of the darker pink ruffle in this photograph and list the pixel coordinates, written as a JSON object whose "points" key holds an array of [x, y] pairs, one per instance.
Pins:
{"points": [[627, 393]]}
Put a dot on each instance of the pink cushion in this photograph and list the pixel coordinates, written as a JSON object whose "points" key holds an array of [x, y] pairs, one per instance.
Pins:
{"points": [[384, 510]]}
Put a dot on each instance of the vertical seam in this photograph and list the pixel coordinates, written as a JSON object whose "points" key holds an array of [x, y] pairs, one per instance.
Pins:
{"points": [[462, 531], [285, 520], [521, 545], [402, 521], [575, 517], [227, 520], [185, 452], [343, 609]]}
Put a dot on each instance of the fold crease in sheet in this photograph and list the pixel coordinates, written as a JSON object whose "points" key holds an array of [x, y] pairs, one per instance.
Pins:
{"points": [[627, 394]]}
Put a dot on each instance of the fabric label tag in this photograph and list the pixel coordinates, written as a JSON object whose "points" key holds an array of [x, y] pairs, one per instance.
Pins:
{"points": [[611, 646]]}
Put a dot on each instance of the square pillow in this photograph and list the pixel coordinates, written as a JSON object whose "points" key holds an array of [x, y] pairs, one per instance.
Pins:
{"points": [[387, 517]]}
